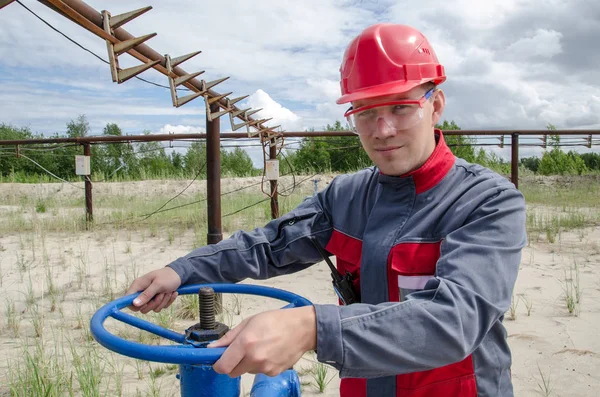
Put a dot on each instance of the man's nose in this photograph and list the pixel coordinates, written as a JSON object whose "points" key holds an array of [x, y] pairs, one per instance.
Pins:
{"points": [[384, 129]]}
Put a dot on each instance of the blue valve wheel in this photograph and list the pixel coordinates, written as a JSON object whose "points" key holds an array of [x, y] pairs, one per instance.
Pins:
{"points": [[175, 354]]}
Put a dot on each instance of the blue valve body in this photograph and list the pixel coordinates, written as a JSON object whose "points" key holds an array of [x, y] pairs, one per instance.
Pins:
{"points": [[203, 381]]}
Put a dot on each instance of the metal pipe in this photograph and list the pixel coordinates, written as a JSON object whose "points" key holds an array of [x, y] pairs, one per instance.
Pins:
{"points": [[4, 3], [107, 139], [213, 187], [293, 134], [514, 159], [213, 180], [274, 198], [89, 207]]}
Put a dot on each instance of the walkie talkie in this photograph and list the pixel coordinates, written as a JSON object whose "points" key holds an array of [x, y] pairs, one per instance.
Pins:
{"points": [[342, 285]]}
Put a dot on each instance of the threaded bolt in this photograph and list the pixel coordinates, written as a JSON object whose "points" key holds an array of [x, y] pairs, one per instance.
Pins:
{"points": [[206, 297]]}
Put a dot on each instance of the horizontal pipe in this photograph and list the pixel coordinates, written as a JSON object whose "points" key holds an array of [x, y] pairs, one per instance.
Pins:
{"points": [[298, 134]]}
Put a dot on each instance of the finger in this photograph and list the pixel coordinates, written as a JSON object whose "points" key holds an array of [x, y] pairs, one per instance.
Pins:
{"points": [[163, 302], [230, 359], [244, 367], [153, 303], [174, 296], [137, 285], [146, 295], [229, 337]]}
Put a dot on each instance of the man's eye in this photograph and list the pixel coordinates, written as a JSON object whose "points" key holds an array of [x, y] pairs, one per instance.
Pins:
{"points": [[367, 113], [400, 110]]}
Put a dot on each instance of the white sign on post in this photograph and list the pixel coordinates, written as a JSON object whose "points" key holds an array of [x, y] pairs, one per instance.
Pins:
{"points": [[272, 170], [82, 165]]}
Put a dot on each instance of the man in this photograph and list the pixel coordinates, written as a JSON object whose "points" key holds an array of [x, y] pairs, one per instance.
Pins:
{"points": [[433, 243]]}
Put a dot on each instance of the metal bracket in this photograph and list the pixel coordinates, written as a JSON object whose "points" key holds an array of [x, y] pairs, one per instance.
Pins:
{"points": [[209, 101], [114, 50], [175, 81]]}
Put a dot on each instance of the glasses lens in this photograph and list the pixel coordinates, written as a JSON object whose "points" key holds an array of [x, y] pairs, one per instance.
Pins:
{"points": [[398, 117]]}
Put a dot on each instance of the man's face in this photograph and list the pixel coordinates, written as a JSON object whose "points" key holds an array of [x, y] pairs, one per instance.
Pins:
{"points": [[399, 151]]}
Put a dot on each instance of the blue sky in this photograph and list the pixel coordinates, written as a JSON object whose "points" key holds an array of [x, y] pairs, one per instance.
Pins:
{"points": [[511, 64]]}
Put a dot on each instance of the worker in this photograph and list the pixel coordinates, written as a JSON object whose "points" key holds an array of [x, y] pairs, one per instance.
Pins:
{"points": [[431, 245]]}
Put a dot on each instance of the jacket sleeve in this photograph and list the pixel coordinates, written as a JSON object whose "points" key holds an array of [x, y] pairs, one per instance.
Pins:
{"points": [[280, 247], [447, 320]]}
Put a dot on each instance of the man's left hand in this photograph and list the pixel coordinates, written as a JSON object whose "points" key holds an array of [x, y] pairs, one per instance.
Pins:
{"points": [[268, 343]]}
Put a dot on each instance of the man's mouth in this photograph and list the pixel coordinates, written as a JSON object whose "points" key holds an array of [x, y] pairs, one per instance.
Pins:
{"points": [[387, 149]]}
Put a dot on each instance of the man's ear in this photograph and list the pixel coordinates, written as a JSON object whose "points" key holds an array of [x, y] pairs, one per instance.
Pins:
{"points": [[439, 103]]}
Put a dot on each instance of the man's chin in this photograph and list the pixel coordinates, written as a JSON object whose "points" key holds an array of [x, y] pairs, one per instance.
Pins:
{"points": [[393, 171]]}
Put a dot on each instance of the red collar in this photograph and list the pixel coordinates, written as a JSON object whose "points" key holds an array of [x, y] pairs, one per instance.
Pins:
{"points": [[435, 168]]}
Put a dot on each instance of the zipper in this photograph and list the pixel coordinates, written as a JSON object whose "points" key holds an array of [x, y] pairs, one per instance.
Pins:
{"points": [[291, 222]]}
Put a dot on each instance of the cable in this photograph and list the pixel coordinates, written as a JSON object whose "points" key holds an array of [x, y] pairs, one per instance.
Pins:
{"points": [[268, 198], [262, 201], [293, 176], [87, 50], [108, 177], [245, 208], [33, 161], [179, 194]]}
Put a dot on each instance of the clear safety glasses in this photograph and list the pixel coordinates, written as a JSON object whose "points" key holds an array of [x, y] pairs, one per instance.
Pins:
{"points": [[398, 115]]}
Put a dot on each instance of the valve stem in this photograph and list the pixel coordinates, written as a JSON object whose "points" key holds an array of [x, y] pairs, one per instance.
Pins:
{"points": [[206, 296]]}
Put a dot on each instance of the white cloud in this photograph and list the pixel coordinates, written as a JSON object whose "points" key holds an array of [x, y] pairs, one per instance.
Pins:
{"points": [[544, 43], [181, 129], [281, 116]]}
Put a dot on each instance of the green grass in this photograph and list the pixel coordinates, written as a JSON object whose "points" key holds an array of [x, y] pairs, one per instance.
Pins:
{"points": [[131, 213], [560, 204], [563, 192], [38, 373]]}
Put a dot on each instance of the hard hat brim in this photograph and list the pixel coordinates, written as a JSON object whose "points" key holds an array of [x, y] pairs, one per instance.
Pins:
{"points": [[395, 87]]}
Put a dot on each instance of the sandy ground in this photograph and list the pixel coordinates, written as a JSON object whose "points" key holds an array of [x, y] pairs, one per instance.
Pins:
{"points": [[64, 278]]}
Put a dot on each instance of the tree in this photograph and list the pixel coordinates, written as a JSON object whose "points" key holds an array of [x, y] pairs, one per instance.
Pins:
{"points": [[177, 161], [460, 145], [531, 163], [195, 159], [591, 160], [9, 163], [556, 161], [236, 163], [78, 128], [118, 158], [339, 154]]}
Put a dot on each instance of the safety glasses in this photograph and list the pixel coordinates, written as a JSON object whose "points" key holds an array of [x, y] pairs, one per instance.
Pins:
{"points": [[398, 115]]}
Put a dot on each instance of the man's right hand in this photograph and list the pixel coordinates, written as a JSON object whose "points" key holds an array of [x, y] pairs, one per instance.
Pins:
{"points": [[158, 290]]}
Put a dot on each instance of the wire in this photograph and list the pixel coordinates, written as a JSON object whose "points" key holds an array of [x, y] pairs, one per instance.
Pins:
{"points": [[33, 161], [90, 51], [245, 208], [267, 199], [293, 177], [177, 195], [108, 177]]}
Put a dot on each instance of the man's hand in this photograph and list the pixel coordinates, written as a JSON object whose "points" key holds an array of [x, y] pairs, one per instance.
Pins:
{"points": [[268, 343], [158, 288]]}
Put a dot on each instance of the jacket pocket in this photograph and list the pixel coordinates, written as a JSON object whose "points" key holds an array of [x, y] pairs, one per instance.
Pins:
{"points": [[348, 253], [410, 266]]}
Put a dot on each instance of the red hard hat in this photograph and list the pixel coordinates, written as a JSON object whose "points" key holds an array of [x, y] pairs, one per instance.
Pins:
{"points": [[387, 59]]}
